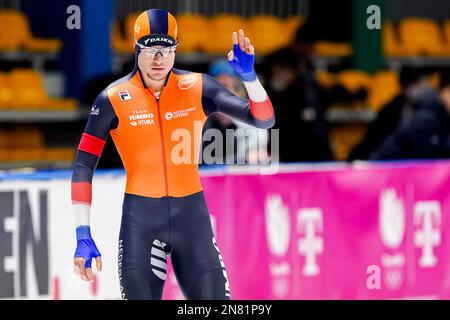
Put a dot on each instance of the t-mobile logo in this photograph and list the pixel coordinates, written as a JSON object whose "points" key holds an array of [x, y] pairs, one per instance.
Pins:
{"points": [[427, 236], [308, 221]]}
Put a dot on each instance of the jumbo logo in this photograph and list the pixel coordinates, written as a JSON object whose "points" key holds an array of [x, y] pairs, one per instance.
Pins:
{"points": [[186, 83]]}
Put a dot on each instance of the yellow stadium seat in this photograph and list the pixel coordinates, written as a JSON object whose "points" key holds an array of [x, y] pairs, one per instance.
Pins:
{"points": [[267, 33], [18, 155], [37, 154], [25, 154], [384, 86], [29, 93], [26, 137], [336, 49], [59, 154], [6, 93], [4, 139], [118, 42], [422, 36], [15, 34], [4, 155], [447, 34], [392, 45], [354, 80], [291, 25], [219, 32], [12, 21], [192, 32], [58, 104], [43, 45], [325, 78], [28, 87]]}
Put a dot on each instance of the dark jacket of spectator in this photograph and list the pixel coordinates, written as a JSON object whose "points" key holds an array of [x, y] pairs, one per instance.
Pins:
{"points": [[425, 136]]}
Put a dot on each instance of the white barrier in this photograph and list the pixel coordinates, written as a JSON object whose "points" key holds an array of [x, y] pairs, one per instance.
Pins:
{"points": [[34, 265]]}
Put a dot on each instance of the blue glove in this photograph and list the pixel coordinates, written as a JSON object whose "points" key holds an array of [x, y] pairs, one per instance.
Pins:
{"points": [[243, 63], [86, 247]]}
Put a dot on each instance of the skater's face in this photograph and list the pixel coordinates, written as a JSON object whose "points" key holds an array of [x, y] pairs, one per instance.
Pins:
{"points": [[156, 61]]}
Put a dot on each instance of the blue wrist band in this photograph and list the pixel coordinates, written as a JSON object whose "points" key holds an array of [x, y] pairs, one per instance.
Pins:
{"points": [[84, 232]]}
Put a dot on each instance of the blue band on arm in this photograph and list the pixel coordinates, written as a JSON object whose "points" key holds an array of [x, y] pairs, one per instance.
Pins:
{"points": [[249, 77], [84, 232]]}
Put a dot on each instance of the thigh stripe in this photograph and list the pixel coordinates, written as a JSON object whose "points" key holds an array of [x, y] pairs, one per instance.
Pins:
{"points": [[159, 274], [158, 253], [158, 263]]}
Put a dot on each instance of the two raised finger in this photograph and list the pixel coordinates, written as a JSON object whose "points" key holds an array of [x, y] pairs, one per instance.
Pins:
{"points": [[243, 41]]}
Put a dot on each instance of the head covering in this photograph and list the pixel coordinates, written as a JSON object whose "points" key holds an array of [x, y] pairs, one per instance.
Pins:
{"points": [[156, 27]]}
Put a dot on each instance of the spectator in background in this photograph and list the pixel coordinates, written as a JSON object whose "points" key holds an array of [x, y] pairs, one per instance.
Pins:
{"points": [[299, 110], [252, 150], [426, 135], [299, 101], [399, 110]]}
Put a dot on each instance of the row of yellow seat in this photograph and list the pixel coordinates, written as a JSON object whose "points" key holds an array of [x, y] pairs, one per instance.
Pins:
{"points": [[410, 37], [23, 89], [37, 155], [416, 36], [23, 136], [27, 143], [15, 34], [213, 35], [381, 86]]}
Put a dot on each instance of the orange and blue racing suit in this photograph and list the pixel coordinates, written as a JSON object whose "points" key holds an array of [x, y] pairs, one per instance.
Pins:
{"points": [[164, 211]]}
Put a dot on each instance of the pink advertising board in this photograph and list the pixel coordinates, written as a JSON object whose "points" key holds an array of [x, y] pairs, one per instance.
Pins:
{"points": [[378, 231]]}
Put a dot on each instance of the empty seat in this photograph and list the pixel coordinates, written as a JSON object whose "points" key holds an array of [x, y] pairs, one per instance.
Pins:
{"points": [[291, 25], [26, 137], [15, 34], [325, 78], [354, 80], [392, 46], [334, 49], [28, 87], [29, 93], [118, 42], [384, 86], [446, 29], [267, 33], [192, 32], [422, 36], [6, 92], [219, 32]]}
